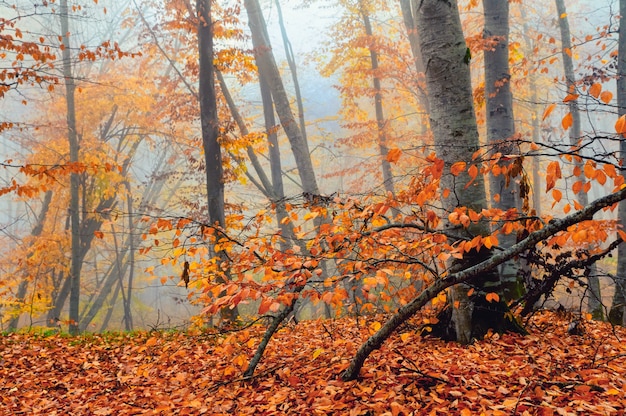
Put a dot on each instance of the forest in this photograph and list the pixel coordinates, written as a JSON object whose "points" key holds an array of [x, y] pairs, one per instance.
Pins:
{"points": [[363, 207]]}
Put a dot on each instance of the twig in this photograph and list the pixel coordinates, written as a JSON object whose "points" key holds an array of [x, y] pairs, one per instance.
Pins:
{"points": [[245, 378], [416, 369]]}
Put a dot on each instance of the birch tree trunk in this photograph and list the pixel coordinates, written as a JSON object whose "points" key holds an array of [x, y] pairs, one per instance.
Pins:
{"points": [[504, 190], [453, 123], [575, 135], [617, 314]]}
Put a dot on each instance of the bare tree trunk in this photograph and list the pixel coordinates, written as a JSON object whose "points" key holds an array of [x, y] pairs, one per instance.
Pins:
{"points": [[269, 71], [504, 189], [72, 136], [381, 123], [617, 314], [453, 124], [36, 231], [210, 128], [575, 135], [294, 70], [409, 8]]}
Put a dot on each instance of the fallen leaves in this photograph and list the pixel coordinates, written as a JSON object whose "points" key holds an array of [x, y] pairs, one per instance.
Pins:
{"points": [[548, 372]]}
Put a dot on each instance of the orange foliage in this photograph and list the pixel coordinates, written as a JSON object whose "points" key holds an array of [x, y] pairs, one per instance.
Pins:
{"points": [[548, 372]]}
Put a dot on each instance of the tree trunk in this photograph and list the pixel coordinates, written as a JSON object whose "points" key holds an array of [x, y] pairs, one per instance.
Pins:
{"points": [[208, 117], [575, 135], [409, 9], [74, 208], [294, 70], [453, 124], [617, 314], [210, 129], [36, 231], [504, 189], [269, 70]]}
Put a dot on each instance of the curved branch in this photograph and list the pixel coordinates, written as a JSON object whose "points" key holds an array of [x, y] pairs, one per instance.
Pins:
{"points": [[459, 275]]}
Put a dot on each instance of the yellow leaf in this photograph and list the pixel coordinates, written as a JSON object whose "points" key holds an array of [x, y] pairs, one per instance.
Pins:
{"points": [[405, 336], [317, 352], [375, 326]]}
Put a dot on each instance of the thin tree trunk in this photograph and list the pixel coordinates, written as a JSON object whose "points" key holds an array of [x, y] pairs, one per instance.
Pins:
{"points": [[36, 232], [291, 61], [74, 207], [575, 135], [381, 123], [409, 8], [617, 314], [269, 70], [500, 122], [210, 129]]}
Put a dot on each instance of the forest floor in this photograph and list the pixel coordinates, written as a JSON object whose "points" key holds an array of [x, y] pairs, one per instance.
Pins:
{"points": [[167, 372]]}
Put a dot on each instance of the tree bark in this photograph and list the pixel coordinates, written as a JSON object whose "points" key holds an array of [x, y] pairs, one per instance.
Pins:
{"points": [[575, 135], [409, 8], [208, 117], [269, 70], [617, 314], [294, 70], [504, 189], [36, 232], [453, 124], [74, 206], [381, 123]]}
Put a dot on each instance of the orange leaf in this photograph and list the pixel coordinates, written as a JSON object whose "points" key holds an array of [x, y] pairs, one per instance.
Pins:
{"points": [[567, 121], [622, 234], [570, 97], [577, 186], [548, 110], [457, 168], [620, 125], [553, 173], [492, 297], [595, 89], [394, 155], [606, 97], [98, 234], [151, 342], [557, 195]]}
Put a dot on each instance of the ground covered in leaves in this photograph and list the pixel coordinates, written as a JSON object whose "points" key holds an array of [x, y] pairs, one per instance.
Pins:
{"points": [[548, 372]]}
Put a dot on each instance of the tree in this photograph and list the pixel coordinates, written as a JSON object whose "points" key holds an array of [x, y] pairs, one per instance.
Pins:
{"points": [[573, 124], [500, 125], [72, 135], [269, 71], [617, 314]]}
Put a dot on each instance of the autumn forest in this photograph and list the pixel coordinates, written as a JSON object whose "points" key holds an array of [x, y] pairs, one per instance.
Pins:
{"points": [[359, 207]]}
